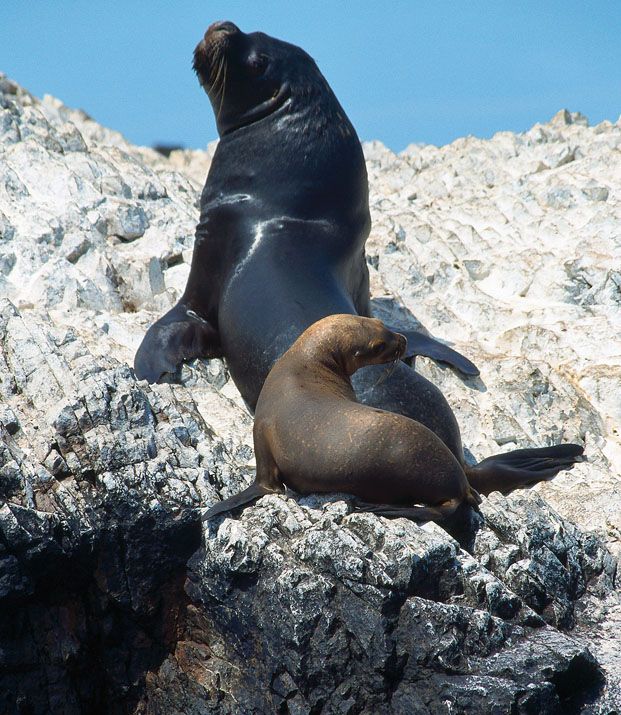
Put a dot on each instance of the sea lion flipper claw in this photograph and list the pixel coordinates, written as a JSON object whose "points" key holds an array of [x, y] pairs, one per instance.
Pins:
{"points": [[181, 334], [425, 345]]}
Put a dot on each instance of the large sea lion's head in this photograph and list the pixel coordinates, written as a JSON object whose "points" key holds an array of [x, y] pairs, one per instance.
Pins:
{"points": [[250, 76]]}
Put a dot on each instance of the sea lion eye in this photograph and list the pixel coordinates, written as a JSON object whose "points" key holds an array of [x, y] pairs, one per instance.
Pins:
{"points": [[257, 64], [379, 347]]}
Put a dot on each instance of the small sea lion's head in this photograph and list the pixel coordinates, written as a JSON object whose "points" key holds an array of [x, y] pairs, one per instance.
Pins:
{"points": [[249, 76], [373, 344], [354, 341]]}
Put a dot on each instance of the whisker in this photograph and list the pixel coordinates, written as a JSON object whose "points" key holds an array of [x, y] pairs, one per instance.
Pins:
{"points": [[387, 373], [214, 84], [223, 88]]}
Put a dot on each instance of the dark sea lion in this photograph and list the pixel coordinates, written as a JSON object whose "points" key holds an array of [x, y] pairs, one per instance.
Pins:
{"points": [[280, 242], [284, 217], [312, 435]]}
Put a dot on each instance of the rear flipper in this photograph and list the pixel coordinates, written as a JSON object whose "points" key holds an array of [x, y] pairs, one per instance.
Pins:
{"points": [[415, 513], [522, 467], [420, 344], [253, 492], [178, 335]]}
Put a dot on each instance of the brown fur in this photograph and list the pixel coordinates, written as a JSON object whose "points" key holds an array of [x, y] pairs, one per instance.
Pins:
{"points": [[312, 435]]}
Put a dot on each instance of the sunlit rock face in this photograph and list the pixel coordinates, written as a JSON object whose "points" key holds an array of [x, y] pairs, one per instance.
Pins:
{"points": [[511, 248], [113, 597]]}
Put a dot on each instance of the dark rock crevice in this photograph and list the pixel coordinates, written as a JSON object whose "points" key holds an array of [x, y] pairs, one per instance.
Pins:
{"points": [[96, 620]]}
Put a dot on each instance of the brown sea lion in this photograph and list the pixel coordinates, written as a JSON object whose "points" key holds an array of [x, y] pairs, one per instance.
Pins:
{"points": [[311, 433]]}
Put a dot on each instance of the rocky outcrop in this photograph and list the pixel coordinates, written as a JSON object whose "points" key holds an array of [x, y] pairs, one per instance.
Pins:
{"points": [[116, 599]]}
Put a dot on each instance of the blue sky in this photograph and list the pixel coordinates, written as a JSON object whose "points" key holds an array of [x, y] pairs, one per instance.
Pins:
{"points": [[405, 72]]}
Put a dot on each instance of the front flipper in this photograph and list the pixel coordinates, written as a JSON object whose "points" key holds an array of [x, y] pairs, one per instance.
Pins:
{"points": [[420, 344], [178, 335]]}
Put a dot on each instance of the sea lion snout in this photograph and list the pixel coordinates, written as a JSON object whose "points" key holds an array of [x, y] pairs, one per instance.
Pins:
{"points": [[390, 347], [402, 344], [208, 54], [221, 27]]}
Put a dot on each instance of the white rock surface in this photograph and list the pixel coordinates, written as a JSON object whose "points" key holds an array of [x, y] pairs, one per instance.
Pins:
{"points": [[511, 249]]}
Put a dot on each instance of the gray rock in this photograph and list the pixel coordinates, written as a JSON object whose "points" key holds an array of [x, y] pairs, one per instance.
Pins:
{"points": [[596, 193], [113, 595]]}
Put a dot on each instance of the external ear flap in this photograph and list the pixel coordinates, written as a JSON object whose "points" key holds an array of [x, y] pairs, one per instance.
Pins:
{"points": [[177, 336]]}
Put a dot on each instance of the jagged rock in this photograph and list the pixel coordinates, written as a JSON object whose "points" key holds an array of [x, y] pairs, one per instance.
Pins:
{"points": [[113, 598]]}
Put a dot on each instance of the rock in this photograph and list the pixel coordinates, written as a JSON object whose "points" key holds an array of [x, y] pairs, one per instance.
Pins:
{"points": [[596, 193], [113, 595], [8, 419], [126, 222], [564, 118]]}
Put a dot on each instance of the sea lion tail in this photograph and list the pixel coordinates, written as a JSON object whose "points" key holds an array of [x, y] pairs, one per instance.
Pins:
{"points": [[523, 467], [254, 491]]}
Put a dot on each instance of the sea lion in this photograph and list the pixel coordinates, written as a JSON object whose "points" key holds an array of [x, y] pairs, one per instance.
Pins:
{"points": [[312, 435], [284, 218], [280, 241]]}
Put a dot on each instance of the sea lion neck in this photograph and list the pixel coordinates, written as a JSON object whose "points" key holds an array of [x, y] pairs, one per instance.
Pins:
{"points": [[264, 110], [297, 162], [326, 367]]}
